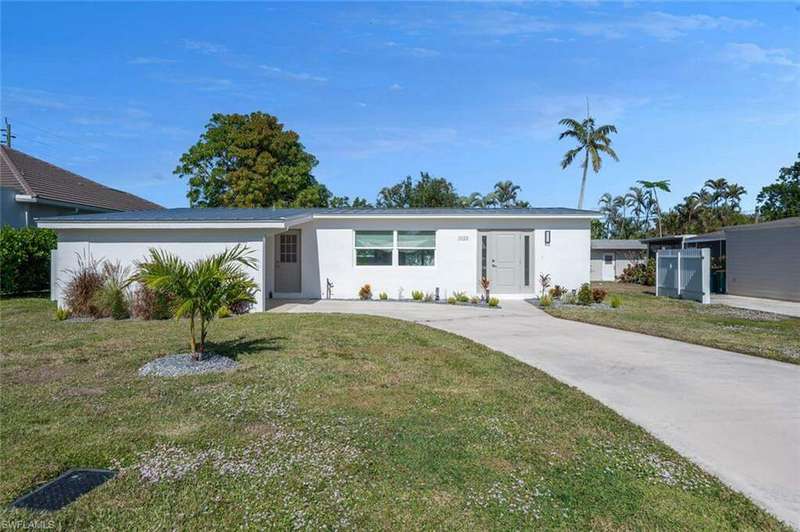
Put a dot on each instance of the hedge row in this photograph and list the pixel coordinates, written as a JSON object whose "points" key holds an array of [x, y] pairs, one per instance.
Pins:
{"points": [[25, 259]]}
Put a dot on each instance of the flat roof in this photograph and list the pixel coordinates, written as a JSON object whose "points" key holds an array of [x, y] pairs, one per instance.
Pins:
{"points": [[707, 237], [268, 215], [616, 243], [665, 237], [784, 222]]}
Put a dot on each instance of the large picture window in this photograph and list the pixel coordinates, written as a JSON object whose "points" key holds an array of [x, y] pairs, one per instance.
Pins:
{"points": [[374, 248], [416, 248]]}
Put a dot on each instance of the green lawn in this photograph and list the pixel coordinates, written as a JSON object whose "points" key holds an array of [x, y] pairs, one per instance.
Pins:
{"points": [[749, 332], [331, 421]]}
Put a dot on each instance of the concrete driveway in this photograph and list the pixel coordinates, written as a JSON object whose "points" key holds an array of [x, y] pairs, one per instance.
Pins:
{"points": [[787, 308], [737, 416]]}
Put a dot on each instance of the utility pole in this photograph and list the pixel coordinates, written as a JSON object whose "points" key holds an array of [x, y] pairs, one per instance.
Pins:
{"points": [[7, 132]]}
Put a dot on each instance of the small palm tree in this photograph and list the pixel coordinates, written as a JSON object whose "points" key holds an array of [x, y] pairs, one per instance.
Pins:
{"points": [[201, 288], [734, 194], [719, 189], [654, 187], [592, 141]]}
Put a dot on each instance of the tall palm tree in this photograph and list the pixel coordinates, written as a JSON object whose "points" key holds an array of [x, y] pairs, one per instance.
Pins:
{"points": [[505, 192], [734, 196], [655, 186], [201, 288], [609, 209], [592, 141], [718, 188], [636, 199]]}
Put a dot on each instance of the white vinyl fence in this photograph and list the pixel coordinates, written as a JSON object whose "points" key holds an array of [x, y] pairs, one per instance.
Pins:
{"points": [[684, 273]]}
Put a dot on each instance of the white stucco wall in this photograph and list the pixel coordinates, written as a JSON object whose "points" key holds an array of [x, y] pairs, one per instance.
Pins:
{"points": [[622, 259], [327, 253], [130, 245]]}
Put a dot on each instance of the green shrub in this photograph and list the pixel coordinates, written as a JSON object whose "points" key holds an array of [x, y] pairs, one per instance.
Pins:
{"points": [[599, 294], [493, 301], [383, 296], [640, 273], [585, 294], [616, 301], [461, 297], [240, 307], [474, 300], [417, 295], [224, 312], [569, 298], [365, 292], [546, 300], [25, 259], [62, 313], [451, 300]]}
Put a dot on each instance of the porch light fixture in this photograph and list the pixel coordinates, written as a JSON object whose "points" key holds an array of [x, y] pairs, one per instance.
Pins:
{"points": [[547, 238]]}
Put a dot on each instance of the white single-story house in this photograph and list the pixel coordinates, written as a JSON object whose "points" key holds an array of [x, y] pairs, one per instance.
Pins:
{"points": [[610, 257], [300, 253]]}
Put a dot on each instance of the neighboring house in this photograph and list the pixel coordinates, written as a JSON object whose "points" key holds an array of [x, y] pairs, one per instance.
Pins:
{"points": [[763, 260], [609, 258], [664, 242], [299, 251], [31, 188]]}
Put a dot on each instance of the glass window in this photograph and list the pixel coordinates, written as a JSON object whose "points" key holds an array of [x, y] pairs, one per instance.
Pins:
{"points": [[483, 256], [416, 248], [374, 248], [527, 260]]}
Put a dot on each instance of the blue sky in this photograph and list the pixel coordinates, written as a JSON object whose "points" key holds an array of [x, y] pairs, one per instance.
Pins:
{"points": [[472, 92]]}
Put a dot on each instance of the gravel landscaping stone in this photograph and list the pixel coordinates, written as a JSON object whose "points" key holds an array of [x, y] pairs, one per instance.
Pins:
{"points": [[184, 364]]}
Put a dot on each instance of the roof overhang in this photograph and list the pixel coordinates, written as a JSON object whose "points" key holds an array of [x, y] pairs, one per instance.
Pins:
{"points": [[30, 198], [164, 225]]}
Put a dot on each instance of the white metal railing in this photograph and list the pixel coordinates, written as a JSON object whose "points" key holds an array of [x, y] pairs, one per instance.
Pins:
{"points": [[684, 273]]}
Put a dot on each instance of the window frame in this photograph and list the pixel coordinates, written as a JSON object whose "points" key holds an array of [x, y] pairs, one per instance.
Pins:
{"points": [[414, 248], [395, 248], [391, 248]]}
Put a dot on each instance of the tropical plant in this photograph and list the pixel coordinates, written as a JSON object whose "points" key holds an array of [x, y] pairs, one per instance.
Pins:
{"points": [[485, 283], [545, 301], [592, 141], [451, 300], [200, 288], [654, 187], [493, 302], [224, 312], [718, 188], [544, 281], [417, 295], [556, 292], [505, 193], [113, 297], [615, 301], [383, 296], [62, 313], [365, 292]]}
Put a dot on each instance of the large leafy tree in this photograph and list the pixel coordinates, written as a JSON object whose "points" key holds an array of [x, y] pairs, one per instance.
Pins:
{"points": [[250, 161], [198, 290], [782, 198], [427, 191], [592, 141]]}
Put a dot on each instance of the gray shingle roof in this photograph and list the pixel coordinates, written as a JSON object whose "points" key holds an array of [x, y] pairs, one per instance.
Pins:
{"points": [[612, 243], [263, 215], [29, 175]]}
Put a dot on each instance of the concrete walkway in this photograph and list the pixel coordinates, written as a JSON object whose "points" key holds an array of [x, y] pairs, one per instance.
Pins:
{"points": [[787, 308], [737, 416]]}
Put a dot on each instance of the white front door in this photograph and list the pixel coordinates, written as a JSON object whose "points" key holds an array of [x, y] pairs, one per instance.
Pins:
{"points": [[287, 262], [608, 267], [505, 262]]}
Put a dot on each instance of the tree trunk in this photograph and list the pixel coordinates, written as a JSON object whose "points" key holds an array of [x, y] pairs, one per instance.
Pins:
{"points": [[203, 332], [583, 181], [658, 213], [192, 342]]}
